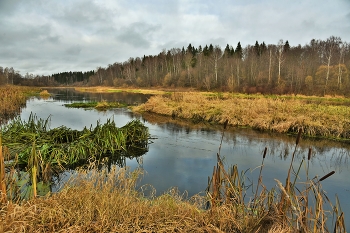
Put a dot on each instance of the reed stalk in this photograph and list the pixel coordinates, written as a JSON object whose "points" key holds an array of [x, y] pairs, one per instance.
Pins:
{"points": [[291, 206], [2, 174]]}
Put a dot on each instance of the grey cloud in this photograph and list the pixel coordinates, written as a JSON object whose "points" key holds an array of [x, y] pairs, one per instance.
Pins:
{"points": [[43, 36], [7, 7], [137, 34], [73, 50], [84, 16], [53, 39]]}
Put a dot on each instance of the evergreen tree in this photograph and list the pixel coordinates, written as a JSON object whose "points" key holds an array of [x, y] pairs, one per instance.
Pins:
{"points": [[206, 50], [227, 51], [286, 46], [239, 51], [211, 49], [232, 51], [200, 50], [263, 47], [257, 48]]}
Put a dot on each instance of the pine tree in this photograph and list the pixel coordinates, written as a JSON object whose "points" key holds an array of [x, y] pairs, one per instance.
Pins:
{"points": [[257, 48], [263, 47], [227, 51], [206, 50], [286, 46], [239, 51]]}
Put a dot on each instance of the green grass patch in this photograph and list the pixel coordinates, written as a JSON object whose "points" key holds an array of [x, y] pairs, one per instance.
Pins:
{"points": [[103, 105], [115, 90], [66, 147]]}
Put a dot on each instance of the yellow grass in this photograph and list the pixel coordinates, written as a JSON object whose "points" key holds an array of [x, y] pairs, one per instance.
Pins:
{"points": [[108, 202], [103, 89], [44, 93], [12, 98], [280, 114]]}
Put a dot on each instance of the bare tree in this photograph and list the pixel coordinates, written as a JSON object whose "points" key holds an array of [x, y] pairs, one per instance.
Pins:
{"points": [[328, 48], [280, 57], [342, 49], [216, 55]]}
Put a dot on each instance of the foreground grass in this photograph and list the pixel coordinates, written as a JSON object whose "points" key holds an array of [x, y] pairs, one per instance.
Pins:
{"points": [[317, 117], [107, 202]]}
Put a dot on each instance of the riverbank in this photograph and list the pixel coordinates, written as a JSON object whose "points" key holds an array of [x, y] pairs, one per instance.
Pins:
{"points": [[320, 117], [316, 116], [12, 99]]}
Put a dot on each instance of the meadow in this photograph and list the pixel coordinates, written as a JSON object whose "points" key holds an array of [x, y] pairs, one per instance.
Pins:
{"points": [[317, 116]]}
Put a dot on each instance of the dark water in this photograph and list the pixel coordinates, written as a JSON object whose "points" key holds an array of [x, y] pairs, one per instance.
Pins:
{"points": [[183, 155]]}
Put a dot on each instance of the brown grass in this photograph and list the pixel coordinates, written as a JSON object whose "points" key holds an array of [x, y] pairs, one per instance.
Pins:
{"points": [[44, 94], [12, 98], [108, 202], [284, 115]]}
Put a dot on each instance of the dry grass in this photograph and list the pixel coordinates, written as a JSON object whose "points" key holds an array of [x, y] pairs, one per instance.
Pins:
{"points": [[44, 94], [107, 202], [284, 115], [103, 89], [12, 98]]}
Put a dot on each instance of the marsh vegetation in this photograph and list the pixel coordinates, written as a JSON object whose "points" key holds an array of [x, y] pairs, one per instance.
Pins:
{"points": [[318, 117], [108, 200], [102, 197]]}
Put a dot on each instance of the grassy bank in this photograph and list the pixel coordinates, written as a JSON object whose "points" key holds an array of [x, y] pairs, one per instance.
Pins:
{"points": [[12, 98], [317, 117]]}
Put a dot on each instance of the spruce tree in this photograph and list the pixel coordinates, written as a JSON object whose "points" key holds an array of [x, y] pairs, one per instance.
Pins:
{"points": [[257, 48], [239, 51], [286, 46]]}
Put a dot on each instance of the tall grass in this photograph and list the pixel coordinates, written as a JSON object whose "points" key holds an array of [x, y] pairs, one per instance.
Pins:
{"points": [[278, 114], [108, 201], [12, 98], [66, 147], [296, 206]]}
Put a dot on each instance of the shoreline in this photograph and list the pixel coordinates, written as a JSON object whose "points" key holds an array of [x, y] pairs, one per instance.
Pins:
{"points": [[318, 117]]}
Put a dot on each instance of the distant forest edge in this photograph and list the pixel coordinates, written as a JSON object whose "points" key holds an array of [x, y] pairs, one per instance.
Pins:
{"points": [[320, 67]]}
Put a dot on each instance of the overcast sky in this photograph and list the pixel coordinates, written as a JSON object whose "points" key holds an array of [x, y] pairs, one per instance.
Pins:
{"points": [[46, 36]]}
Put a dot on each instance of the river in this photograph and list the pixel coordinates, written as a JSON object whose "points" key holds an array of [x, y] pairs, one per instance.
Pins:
{"points": [[183, 154]]}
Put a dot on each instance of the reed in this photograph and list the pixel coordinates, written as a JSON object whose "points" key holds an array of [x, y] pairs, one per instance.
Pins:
{"points": [[3, 194], [289, 205], [12, 99], [66, 147], [108, 201]]}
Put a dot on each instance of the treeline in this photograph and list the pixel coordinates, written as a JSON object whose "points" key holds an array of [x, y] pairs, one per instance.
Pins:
{"points": [[317, 68], [77, 78], [68, 78], [9, 76]]}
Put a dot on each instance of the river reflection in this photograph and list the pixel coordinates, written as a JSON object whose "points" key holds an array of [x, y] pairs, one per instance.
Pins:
{"points": [[183, 155]]}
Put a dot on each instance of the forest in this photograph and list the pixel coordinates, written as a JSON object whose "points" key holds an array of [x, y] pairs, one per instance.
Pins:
{"points": [[320, 67]]}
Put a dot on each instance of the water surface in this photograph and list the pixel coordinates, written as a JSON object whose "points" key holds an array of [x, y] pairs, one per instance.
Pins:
{"points": [[183, 155]]}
